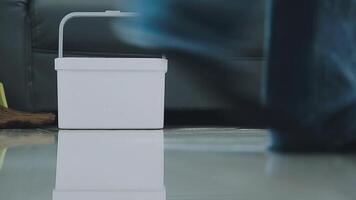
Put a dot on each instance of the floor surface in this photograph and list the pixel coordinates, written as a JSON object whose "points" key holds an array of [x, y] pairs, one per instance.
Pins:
{"points": [[199, 164]]}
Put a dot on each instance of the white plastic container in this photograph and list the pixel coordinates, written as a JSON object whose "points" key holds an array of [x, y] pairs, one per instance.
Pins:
{"points": [[109, 93]]}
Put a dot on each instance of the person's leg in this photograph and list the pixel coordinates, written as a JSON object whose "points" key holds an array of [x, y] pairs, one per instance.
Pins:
{"points": [[311, 64], [218, 38], [210, 28], [311, 76]]}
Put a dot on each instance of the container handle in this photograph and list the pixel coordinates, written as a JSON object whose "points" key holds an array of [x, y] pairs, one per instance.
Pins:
{"points": [[108, 13]]}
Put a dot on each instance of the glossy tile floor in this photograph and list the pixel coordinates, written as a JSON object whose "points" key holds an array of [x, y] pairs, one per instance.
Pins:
{"points": [[197, 164]]}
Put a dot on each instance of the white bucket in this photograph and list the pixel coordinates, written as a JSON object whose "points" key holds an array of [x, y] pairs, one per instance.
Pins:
{"points": [[109, 93]]}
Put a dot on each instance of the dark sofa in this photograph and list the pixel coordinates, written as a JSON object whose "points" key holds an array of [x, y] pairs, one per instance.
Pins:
{"points": [[28, 46]]}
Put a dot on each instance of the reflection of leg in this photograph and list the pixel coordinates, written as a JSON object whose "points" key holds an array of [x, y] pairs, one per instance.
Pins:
{"points": [[310, 170], [2, 156], [312, 73]]}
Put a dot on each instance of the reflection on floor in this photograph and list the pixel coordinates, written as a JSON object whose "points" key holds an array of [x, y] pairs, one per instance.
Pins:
{"points": [[110, 164], [200, 164]]}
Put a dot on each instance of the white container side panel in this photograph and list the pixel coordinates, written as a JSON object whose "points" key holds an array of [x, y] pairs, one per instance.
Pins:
{"points": [[110, 99]]}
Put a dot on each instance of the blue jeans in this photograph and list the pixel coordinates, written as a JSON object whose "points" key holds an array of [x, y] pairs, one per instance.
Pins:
{"points": [[310, 78], [311, 74]]}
